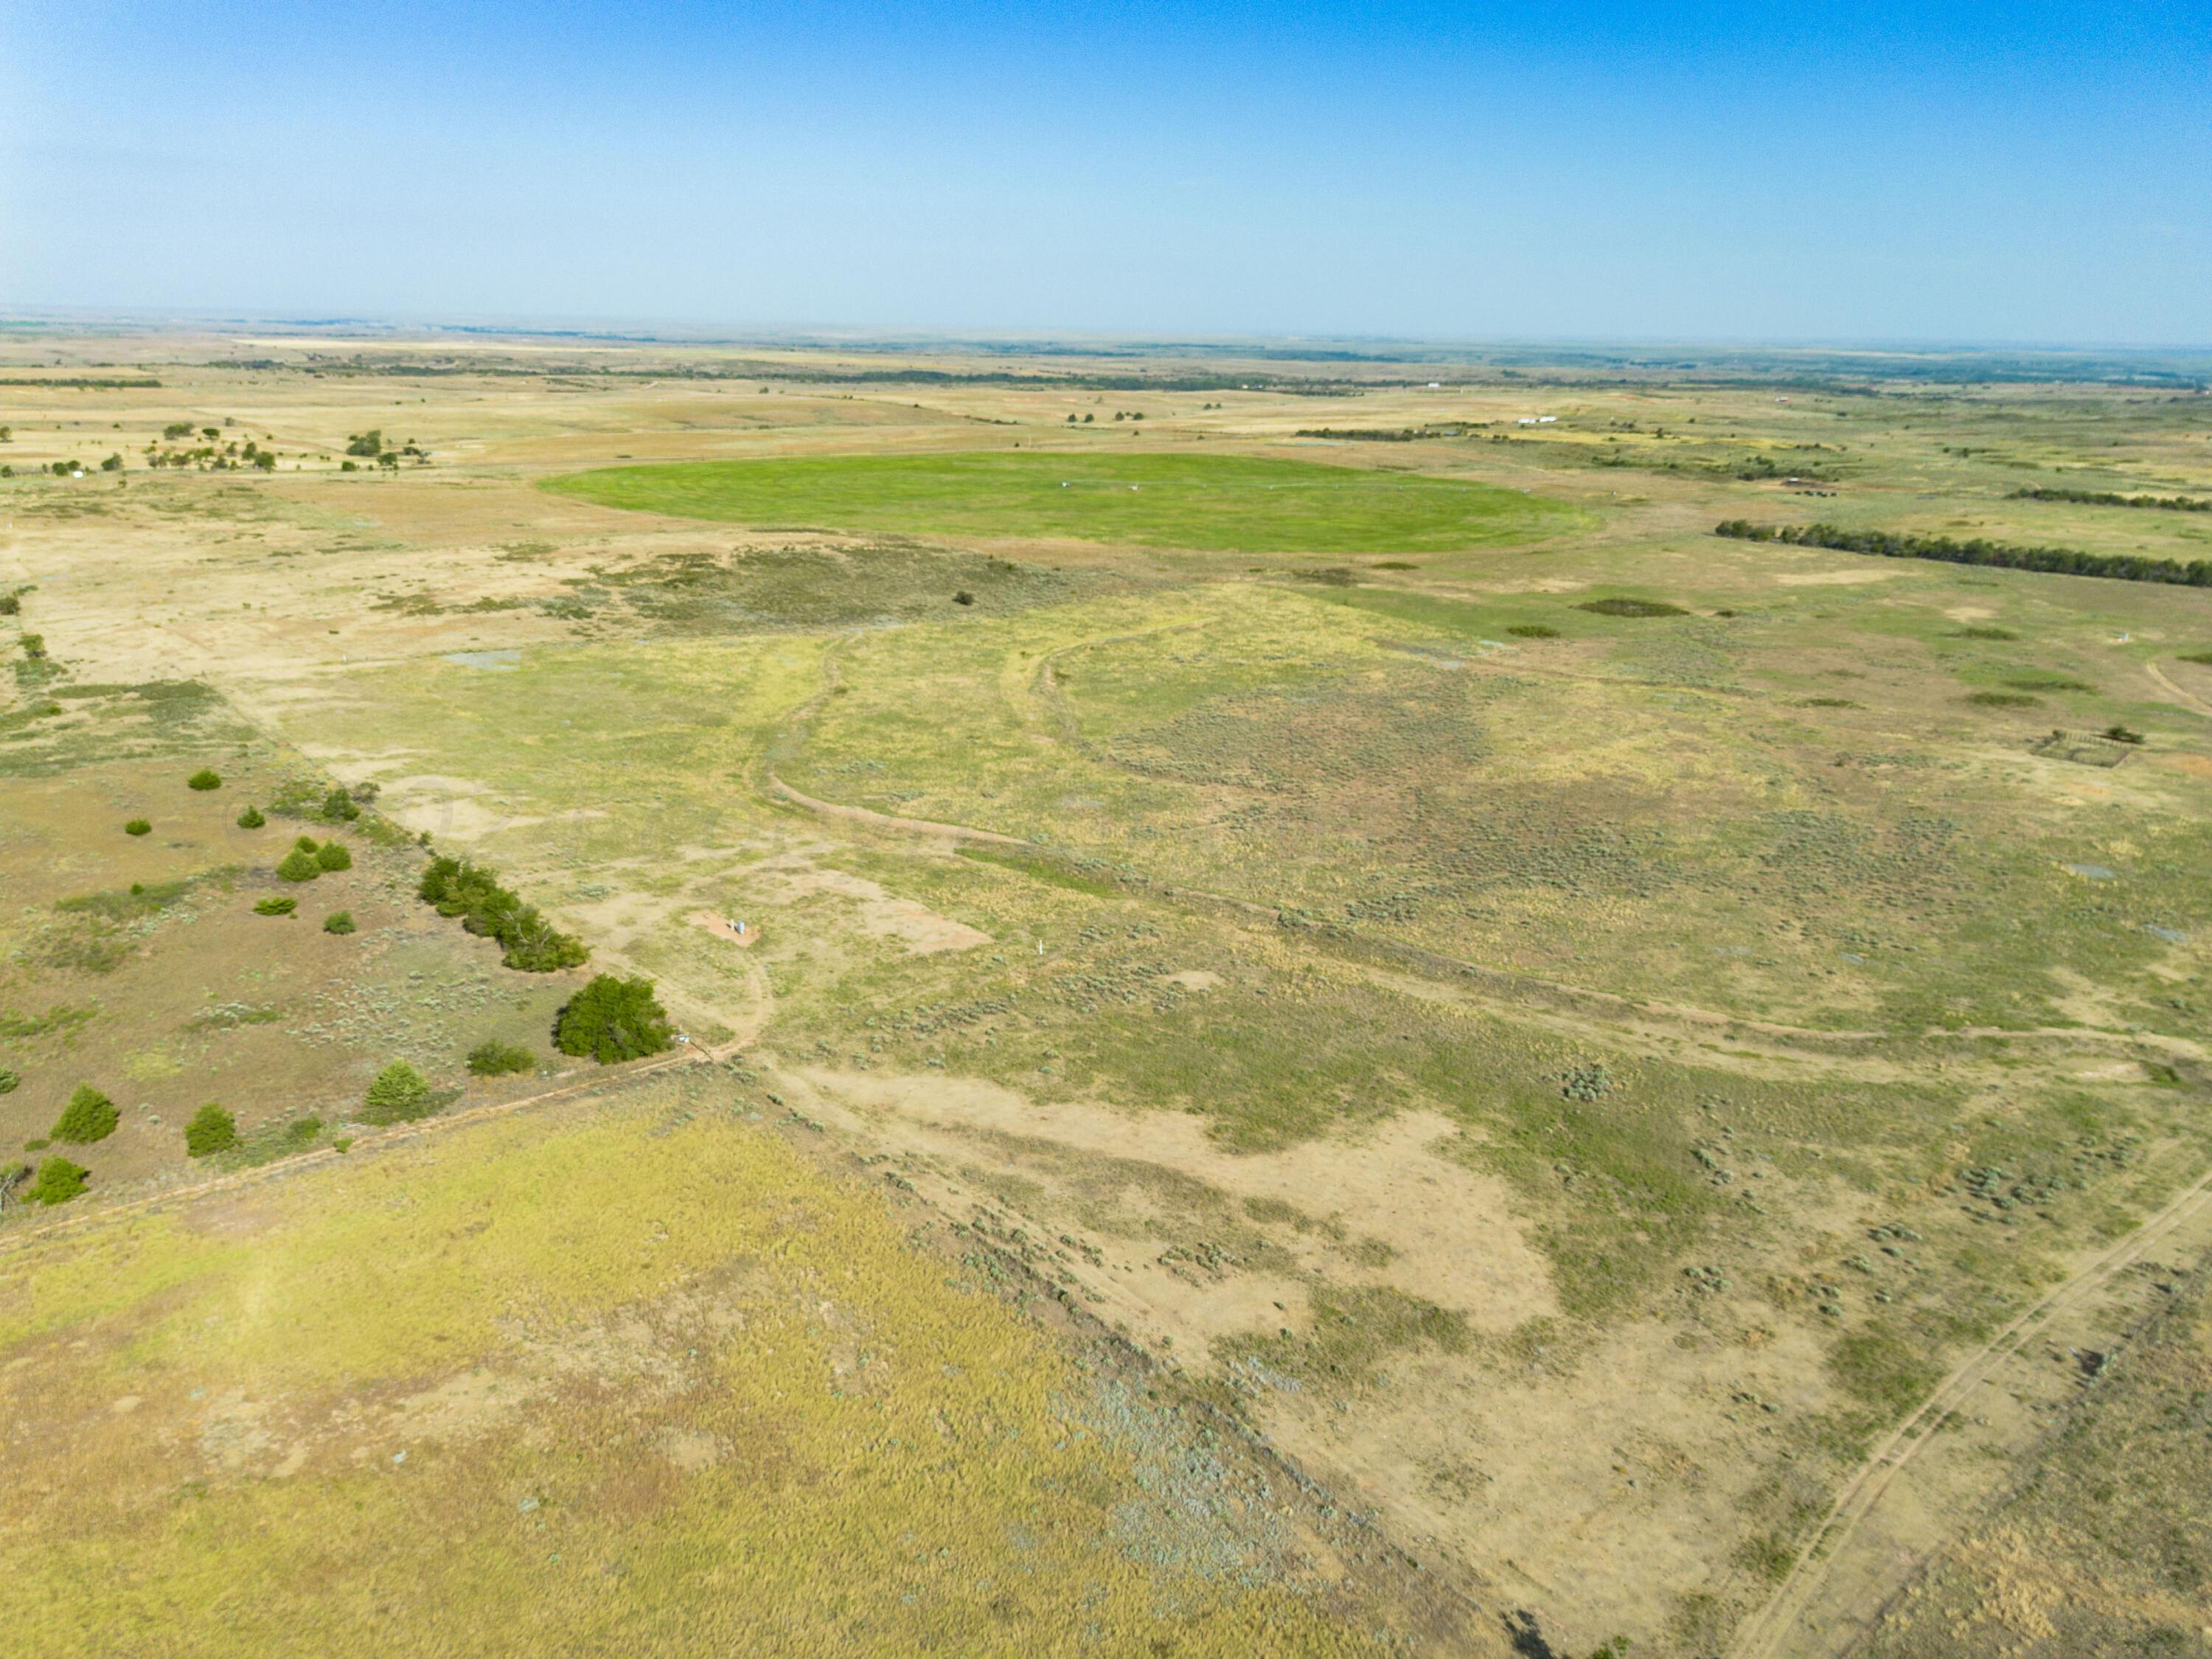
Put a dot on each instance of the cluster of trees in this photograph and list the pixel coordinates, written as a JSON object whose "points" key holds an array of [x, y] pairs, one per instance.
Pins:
{"points": [[532, 944], [210, 457], [2106, 498], [2058, 561], [369, 446]]}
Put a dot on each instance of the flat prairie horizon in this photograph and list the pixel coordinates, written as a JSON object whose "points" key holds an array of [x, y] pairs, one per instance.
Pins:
{"points": [[1394, 997]]}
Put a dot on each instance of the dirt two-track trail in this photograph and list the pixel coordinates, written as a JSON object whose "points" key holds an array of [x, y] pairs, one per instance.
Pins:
{"points": [[1812, 1612]]}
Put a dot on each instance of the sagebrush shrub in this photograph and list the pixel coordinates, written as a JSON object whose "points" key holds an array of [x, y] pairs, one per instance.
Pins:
{"points": [[137, 827], [497, 1058], [338, 921], [250, 818], [205, 778], [89, 1117]]}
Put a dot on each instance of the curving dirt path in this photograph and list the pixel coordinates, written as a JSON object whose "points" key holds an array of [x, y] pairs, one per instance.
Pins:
{"points": [[874, 820], [1780, 1630], [1498, 986], [2188, 700]]}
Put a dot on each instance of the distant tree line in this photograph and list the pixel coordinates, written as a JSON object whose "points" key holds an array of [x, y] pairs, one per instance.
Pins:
{"points": [[2106, 498], [2058, 561], [1381, 434]]}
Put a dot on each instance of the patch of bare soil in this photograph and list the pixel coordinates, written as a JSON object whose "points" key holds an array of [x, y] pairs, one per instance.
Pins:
{"points": [[791, 877], [1601, 1478], [727, 928]]}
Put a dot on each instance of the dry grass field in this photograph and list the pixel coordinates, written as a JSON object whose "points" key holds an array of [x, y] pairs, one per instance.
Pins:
{"points": [[1352, 1033]]}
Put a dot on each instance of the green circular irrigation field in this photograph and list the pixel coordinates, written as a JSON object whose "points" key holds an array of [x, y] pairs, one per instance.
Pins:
{"points": [[1212, 503]]}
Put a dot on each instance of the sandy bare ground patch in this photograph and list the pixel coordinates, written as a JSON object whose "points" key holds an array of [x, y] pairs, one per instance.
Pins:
{"points": [[1451, 1236], [1832, 577], [794, 876], [1551, 1482], [722, 928]]}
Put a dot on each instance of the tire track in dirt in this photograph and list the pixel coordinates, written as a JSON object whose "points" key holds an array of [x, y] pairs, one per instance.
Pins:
{"points": [[2188, 700], [1500, 988], [1481, 983], [1770, 1633]]}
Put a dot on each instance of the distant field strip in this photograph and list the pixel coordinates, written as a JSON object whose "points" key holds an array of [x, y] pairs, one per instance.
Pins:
{"points": [[1213, 503]]}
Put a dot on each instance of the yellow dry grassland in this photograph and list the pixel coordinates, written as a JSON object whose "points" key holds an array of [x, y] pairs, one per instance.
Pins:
{"points": [[640, 1381]]}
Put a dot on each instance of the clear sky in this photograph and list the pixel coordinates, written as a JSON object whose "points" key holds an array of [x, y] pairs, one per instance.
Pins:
{"points": [[1957, 172]]}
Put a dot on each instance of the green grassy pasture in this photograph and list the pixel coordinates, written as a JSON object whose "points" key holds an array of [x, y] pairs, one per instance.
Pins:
{"points": [[1214, 503]]}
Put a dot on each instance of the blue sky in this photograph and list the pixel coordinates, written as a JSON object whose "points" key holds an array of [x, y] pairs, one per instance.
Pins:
{"points": [[1944, 172]]}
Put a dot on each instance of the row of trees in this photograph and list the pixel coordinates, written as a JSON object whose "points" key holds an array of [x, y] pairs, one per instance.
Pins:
{"points": [[533, 944], [2108, 498], [2057, 561]]}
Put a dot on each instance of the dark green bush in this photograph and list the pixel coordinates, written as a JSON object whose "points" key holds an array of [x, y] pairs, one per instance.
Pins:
{"points": [[2005, 700], [89, 1117], [59, 1181], [250, 818], [39, 1145], [1632, 608], [338, 807], [137, 827], [205, 778], [495, 1059], [532, 944], [275, 907], [332, 855], [613, 1019], [211, 1130], [1533, 631], [9, 1081], [300, 865], [305, 844], [399, 1095], [338, 921]]}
